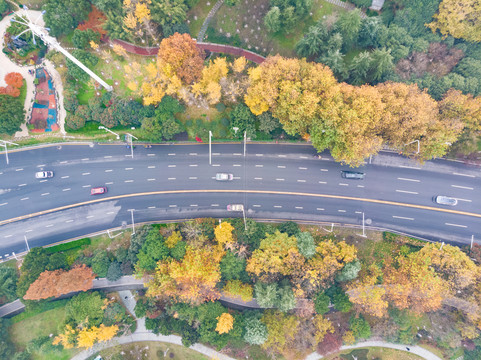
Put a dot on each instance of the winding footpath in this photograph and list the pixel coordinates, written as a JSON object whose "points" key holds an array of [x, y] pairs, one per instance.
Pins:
{"points": [[207, 20]]}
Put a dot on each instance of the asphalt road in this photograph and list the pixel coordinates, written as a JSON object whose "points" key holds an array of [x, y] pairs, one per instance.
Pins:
{"points": [[273, 181]]}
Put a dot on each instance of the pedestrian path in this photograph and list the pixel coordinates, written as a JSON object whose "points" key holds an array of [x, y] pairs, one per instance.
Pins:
{"points": [[347, 6], [414, 349], [205, 24]]}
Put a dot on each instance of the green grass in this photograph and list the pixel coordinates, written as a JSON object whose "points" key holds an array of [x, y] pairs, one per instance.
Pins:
{"points": [[68, 246], [40, 308], [200, 11], [374, 353]]}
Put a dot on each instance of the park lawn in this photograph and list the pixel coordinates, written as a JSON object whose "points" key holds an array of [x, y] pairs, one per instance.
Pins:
{"points": [[197, 15], [150, 350], [199, 121], [374, 353]]}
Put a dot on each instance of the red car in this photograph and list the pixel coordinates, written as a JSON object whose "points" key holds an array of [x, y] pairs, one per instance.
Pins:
{"points": [[98, 190]]}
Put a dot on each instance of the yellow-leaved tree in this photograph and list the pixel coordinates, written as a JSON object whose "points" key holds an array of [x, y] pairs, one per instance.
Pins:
{"points": [[225, 323], [223, 233], [209, 84]]}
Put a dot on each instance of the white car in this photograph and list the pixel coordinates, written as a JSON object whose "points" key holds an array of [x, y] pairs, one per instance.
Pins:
{"points": [[43, 174], [235, 207], [224, 177], [445, 200]]}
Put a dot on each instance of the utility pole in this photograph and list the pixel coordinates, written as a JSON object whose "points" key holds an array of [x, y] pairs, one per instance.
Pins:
{"points": [[245, 141], [4, 144], [210, 147], [472, 240], [26, 242], [244, 214]]}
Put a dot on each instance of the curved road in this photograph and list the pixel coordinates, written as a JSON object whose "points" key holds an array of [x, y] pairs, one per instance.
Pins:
{"points": [[273, 181]]}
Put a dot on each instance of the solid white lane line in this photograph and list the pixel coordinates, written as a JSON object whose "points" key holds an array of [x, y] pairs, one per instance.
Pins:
{"points": [[237, 154], [463, 175], [129, 168], [65, 177], [170, 178], [171, 154], [172, 205], [280, 179], [150, 154], [109, 183], [259, 154], [110, 212], [194, 205], [49, 225], [193, 165], [406, 179], [402, 217], [257, 178], [192, 154], [109, 170], [360, 186], [107, 157], [42, 181], [299, 207], [462, 187], [358, 212], [303, 181], [302, 168], [86, 186], [259, 165], [281, 166], [7, 236], [324, 170], [320, 209], [151, 207], [69, 221], [29, 230], [89, 217], [128, 181], [67, 189], [215, 164], [19, 169], [343, 184], [26, 198], [278, 206], [45, 194], [214, 204], [63, 162], [256, 206], [216, 154], [172, 165], [409, 167], [463, 200], [407, 192], [456, 225], [151, 167], [86, 159], [150, 179], [22, 185], [237, 165], [343, 211], [87, 173], [282, 156], [192, 177], [303, 157], [41, 165], [322, 182]]}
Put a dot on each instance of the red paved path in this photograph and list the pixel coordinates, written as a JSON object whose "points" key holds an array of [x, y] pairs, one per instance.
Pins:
{"points": [[217, 48]]}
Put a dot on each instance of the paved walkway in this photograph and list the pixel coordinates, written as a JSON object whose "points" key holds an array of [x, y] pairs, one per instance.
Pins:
{"points": [[207, 20], [417, 350]]}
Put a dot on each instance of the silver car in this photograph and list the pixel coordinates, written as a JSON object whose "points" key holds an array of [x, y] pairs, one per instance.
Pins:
{"points": [[223, 177], [43, 174], [235, 207], [445, 200]]}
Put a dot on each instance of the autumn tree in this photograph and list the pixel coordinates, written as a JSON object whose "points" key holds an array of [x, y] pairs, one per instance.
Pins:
{"points": [[14, 79], [223, 233], [322, 327], [281, 329], [460, 19], [192, 280], [85, 337], [295, 91], [59, 282], [209, 84], [225, 323], [276, 257], [331, 343], [238, 289], [350, 132]]}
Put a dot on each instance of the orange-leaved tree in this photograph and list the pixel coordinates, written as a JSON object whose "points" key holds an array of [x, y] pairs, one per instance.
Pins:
{"points": [[192, 280], [15, 79], [59, 282]]}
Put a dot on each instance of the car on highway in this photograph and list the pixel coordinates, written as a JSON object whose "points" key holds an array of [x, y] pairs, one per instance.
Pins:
{"points": [[43, 174], [354, 175], [235, 207], [445, 200], [98, 190], [224, 177]]}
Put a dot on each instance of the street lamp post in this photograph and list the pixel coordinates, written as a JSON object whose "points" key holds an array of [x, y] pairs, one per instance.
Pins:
{"points": [[417, 152], [131, 144], [133, 223], [26, 242], [4, 144], [210, 147], [244, 215], [245, 141], [110, 131]]}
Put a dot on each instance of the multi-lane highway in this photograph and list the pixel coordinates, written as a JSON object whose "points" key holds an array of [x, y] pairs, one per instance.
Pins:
{"points": [[273, 181]]}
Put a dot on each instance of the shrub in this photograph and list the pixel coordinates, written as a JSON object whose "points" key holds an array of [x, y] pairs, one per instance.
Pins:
{"points": [[255, 331], [114, 272], [68, 245]]}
